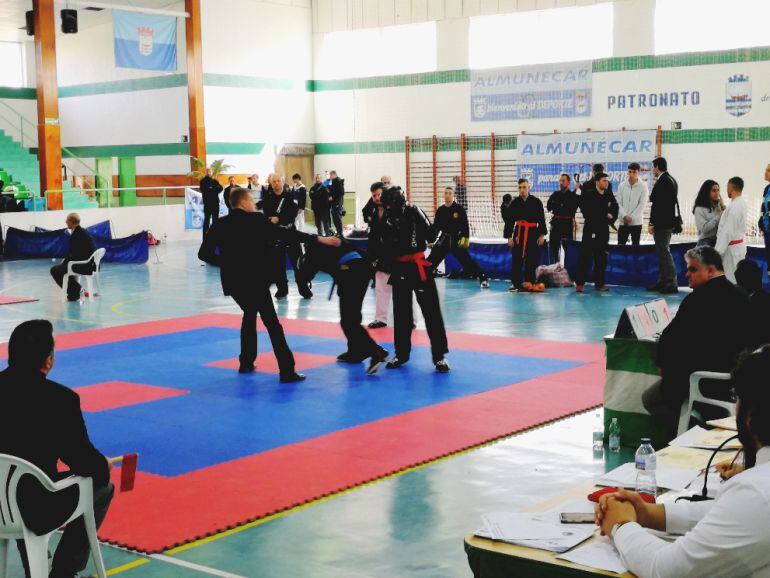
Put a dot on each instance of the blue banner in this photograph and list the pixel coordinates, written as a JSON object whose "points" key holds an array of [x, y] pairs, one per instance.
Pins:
{"points": [[144, 41], [543, 158], [193, 208], [542, 91]]}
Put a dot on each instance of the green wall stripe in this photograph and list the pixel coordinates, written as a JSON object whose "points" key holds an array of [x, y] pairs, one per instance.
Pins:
{"points": [[418, 79], [19, 93], [234, 148], [716, 135], [238, 81], [132, 85], [364, 147], [758, 54]]}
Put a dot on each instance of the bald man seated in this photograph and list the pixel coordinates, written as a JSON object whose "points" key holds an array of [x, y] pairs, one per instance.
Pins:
{"points": [[81, 249]]}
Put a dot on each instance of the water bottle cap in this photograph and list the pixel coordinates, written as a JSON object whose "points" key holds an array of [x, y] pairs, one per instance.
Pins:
{"points": [[614, 420], [645, 440]]}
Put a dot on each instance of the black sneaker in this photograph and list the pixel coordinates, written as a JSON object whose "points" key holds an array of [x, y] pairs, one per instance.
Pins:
{"points": [[281, 295], [395, 363], [375, 361], [377, 325], [350, 357], [442, 366], [306, 293], [292, 377], [247, 368]]}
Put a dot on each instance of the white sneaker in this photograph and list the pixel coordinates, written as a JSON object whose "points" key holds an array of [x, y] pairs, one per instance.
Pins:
{"points": [[513, 289], [484, 284]]}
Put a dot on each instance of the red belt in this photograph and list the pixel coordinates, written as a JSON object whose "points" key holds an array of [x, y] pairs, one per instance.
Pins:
{"points": [[523, 226], [736, 242], [419, 260]]}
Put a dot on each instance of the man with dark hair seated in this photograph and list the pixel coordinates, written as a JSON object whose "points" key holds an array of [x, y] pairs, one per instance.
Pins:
{"points": [[748, 276], [707, 333], [727, 536], [42, 423]]}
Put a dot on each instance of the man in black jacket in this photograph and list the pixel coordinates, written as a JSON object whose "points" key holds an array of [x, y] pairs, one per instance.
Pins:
{"points": [[707, 333], [299, 192], [280, 208], [405, 234], [81, 249], [210, 189], [226, 194], [451, 222], [525, 231], [351, 271], [42, 423], [562, 204], [600, 209], [748, 276], [246, 243], [590, 184], [336, 201], [319, 204], [662, 220]]}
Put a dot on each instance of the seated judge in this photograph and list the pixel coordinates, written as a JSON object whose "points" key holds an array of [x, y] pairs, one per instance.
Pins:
{"points": [[81, 249], [42, 423], [727, 536], [707, 333]]}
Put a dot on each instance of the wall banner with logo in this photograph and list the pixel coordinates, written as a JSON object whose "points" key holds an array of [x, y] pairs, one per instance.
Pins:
{"points": [[144, 41], [543, 91], [193, 208], [543, 158]]}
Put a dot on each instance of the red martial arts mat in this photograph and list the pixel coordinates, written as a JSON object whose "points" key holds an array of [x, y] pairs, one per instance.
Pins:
{"points": [[12, 300]]}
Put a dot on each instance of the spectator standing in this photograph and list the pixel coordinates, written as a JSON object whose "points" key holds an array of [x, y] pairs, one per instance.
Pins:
{"points": [[226, 194], [708, 210], [336, 201], [632, 197], [562, 204], [319, 204], [731, 243], [764, 214], [662, 220], [210, 189], [600, 209], [299, 192]]}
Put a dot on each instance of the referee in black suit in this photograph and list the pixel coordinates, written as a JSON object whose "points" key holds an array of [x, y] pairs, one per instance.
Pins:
{"points": [[246, 243], [81, 249]]}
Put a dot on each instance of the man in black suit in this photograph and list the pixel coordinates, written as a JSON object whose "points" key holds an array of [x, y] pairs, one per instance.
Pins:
{"points": [[336, 201], [707, 333], [81, 249], [226, 195], [748, 276], [246, 243], [600, 209], [662, 220], [42, 423], [210, 189], [319, 204]]}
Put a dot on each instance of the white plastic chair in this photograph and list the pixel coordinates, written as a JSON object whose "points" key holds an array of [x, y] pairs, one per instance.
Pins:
{"points": [[12, 526], [697, 396], [97, 259]]}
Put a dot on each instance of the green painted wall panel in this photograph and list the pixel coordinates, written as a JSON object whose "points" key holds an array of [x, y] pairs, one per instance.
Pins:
{"points": [[126, 179], [104, 181]]}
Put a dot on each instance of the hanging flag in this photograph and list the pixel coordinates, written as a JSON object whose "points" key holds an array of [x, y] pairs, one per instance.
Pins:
{"points": [[144, 41]]}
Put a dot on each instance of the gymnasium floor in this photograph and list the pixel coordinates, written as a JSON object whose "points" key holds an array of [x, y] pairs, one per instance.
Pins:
{"points": [[410, 524]]}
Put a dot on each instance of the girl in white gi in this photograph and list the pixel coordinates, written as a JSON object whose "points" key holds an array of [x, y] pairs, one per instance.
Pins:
{"points": [[731, 244]]}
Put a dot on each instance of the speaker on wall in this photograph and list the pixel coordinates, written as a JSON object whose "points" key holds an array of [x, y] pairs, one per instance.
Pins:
{"points": [[69, 21], [30, 16]]}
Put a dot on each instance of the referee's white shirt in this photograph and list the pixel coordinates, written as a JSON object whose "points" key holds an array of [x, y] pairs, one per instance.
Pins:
{"points": [[631, 201], [729, 536]]}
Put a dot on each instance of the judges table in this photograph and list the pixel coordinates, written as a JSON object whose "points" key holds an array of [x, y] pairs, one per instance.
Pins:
{"points": [[493, 559]]}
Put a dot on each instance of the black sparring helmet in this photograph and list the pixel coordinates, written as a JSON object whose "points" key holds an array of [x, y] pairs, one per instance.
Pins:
{"points": [[393, 198]]}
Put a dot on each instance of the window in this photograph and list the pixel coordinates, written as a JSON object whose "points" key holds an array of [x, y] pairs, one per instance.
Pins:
{"points": [[378, 51], [541, 36], [702, 25], [12, 57]]}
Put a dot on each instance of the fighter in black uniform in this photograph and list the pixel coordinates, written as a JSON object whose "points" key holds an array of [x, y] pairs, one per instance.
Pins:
{"points": [[281, 209], [452, 223], [405, 233], [562, 204], [525, 230], [351, 271], [600, 210]]}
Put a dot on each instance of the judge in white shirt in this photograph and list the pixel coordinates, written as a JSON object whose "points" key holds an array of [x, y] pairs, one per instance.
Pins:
{"points": [[728, 536], [632, 197], [731, 244]]}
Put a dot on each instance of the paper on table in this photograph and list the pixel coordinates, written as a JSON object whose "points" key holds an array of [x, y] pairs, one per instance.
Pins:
{"points": [[510, 526], [698, 437], [724, 423], [562, 544], [599, 554], [682, 457], [668, 477]]}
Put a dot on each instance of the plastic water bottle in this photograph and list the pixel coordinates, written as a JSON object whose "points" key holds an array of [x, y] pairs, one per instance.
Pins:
{"points": [[646, 463], [614, 435], [598, 433]]}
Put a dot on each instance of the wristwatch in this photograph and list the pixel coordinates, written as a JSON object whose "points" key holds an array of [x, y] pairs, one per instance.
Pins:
{"points": [[616, 526]]}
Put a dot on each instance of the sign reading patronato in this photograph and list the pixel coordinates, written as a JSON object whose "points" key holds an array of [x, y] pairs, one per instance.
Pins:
{"points": [[543, 91], [144, 41], [543, 158]]}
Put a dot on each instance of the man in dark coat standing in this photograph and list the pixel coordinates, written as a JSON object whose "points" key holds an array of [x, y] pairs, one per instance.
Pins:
{"points": [[42, 423], [525, 230], [246, 243], [562, 205], [81, 249], [662, 220], [600, 210], [226, 194], [336, 201], [707, 333], [319, 204], [210, 189]]}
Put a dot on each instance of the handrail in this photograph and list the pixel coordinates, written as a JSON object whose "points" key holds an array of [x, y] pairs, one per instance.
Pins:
{"points": [[111, 190]]}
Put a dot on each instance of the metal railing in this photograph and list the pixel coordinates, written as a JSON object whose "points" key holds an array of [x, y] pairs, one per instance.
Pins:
{"points": [[108, 197]]}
